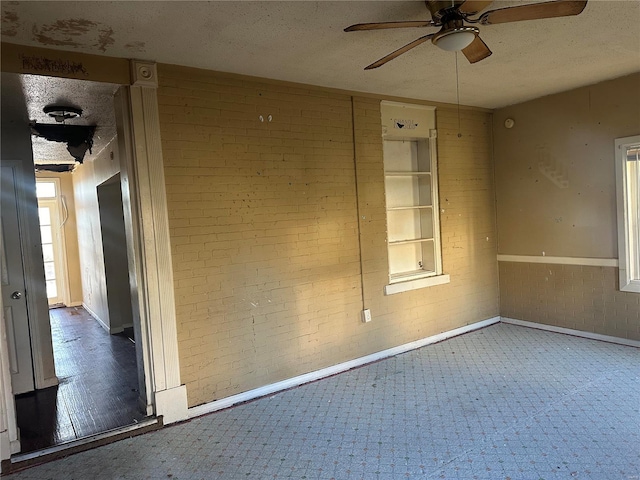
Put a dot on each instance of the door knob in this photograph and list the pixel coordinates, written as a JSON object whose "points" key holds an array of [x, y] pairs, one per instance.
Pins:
{"points": [[16, 295]]}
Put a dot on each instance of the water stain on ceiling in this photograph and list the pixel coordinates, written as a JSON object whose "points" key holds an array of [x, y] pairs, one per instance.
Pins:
{"points": [[304, 42], [74, 32], [10, 23], [138, 47]]}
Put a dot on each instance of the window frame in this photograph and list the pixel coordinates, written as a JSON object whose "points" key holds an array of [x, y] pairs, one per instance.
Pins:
{"points": [[48, 180], [628, 240]]}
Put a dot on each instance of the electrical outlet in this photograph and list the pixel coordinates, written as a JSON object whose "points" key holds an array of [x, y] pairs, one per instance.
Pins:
{"points": [[366, 315]]}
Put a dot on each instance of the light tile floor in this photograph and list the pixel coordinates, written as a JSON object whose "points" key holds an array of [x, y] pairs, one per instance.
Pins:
{"points": [[504, 402]]}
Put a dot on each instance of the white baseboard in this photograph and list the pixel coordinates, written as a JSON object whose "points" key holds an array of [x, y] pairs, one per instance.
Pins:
{"points": [[95, 317], [326, 372], [108, 329], [569, 331]]}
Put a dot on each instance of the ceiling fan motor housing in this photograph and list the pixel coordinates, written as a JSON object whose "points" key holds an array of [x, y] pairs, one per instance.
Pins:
{"points": [[440, 8]]}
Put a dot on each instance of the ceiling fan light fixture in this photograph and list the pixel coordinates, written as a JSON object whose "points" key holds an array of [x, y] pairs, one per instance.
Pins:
{"points": [[455, 39]]}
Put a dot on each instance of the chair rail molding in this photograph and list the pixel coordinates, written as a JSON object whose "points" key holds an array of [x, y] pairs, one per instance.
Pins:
{"points": [[584, 261]]}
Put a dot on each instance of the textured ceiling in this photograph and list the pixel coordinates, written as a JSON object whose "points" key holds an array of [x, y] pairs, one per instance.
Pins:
{"points": [[303, 41], [95, 100], [24, 97]]}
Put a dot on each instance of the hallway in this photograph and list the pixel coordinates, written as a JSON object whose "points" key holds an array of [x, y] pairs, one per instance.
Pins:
{"points": [[501, 403], [98, 388]]}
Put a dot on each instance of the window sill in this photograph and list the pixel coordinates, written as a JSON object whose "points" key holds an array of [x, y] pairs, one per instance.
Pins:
{"points": [[631, 286], [416, 284]]}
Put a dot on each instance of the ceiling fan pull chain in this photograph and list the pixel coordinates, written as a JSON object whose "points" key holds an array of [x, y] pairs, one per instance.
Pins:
{"points": [[458, 95]]}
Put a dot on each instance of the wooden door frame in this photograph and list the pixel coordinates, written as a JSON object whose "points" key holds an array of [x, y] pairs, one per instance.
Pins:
{"points": [[145, 195]]}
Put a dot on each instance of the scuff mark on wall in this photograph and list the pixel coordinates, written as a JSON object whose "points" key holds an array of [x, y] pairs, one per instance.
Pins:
{"points": [[70, 32], [10, 23]]}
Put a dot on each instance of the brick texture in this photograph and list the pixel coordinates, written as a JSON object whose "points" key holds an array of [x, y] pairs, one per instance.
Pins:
{"points": [[278, 233], [570, 296]]}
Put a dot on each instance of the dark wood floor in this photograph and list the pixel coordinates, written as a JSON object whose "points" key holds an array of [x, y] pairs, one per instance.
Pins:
{"points": [[98, 388]]}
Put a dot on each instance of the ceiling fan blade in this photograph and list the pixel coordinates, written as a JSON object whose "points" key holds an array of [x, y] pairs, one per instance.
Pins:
{"points": [[384, 25], [471, 7], [476, 51], [399, 52], [535, 11]]}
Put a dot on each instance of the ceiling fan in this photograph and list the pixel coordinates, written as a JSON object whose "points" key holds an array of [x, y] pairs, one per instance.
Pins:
{"points": [[454, 15]]}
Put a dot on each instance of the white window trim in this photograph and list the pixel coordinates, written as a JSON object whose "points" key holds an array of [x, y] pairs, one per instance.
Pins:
{"points": [[627, 284], [409, 285], [428, 279]]}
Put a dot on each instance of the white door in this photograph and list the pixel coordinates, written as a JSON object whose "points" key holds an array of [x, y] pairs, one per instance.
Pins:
{"points": [[13, 291]]}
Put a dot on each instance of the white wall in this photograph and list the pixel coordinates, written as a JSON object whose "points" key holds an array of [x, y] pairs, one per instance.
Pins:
{"points": [[86, 178]]}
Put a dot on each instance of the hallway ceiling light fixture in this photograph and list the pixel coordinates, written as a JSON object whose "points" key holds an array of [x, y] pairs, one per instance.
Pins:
{"points": [[61, 113]]}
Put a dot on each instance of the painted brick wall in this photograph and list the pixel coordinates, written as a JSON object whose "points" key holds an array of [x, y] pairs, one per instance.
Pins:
{"points": [[574, 132], [467, 227], [271, 221], [570, 296]]}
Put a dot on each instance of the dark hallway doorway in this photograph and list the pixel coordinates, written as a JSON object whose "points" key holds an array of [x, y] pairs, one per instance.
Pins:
{"points": [[98, 388]]}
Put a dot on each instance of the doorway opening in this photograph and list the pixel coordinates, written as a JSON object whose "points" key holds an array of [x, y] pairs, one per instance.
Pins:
{"points": [[81, 220], [53, 240]]}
